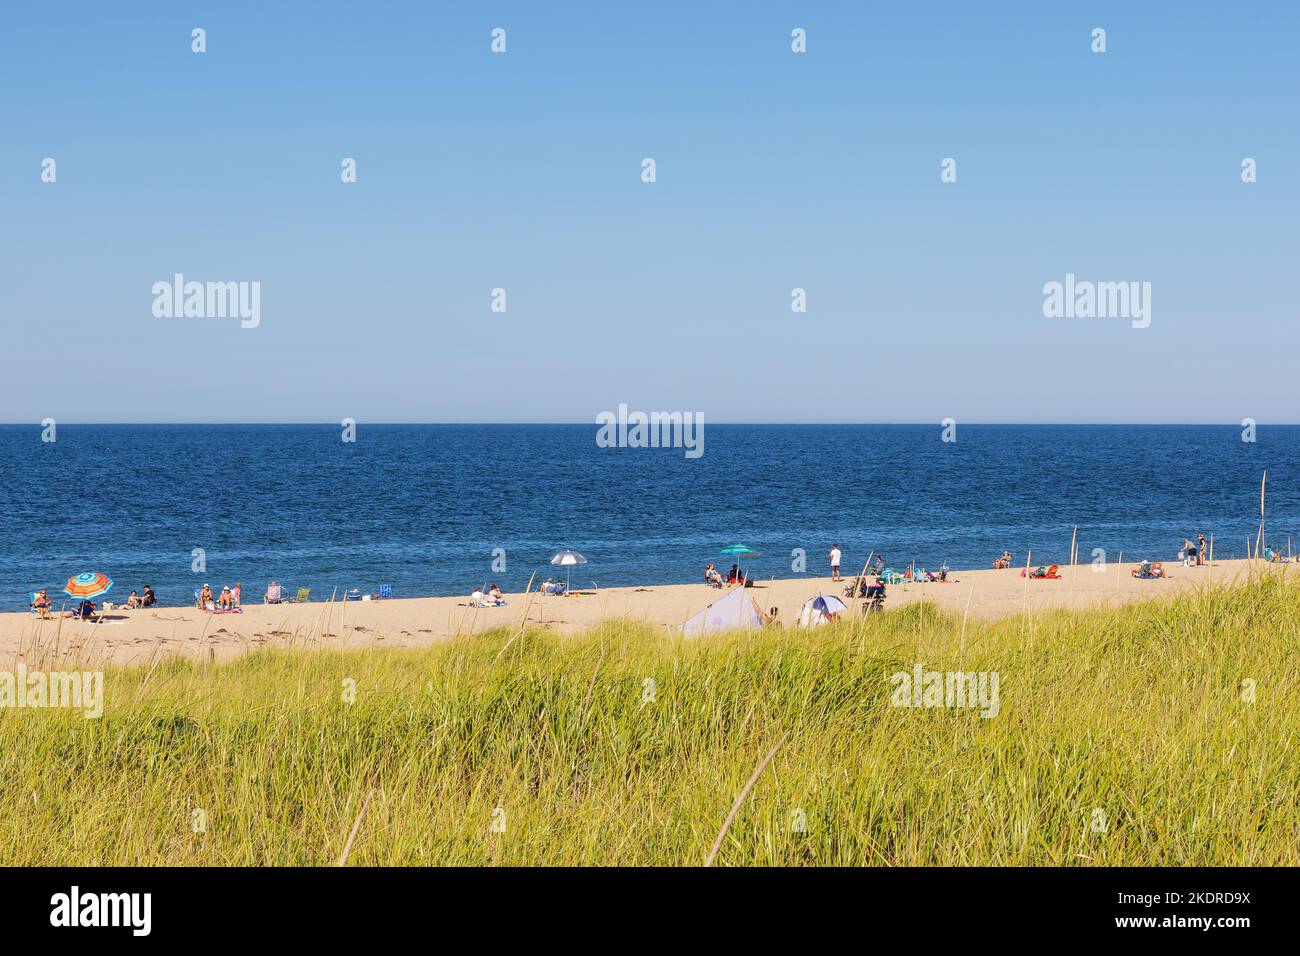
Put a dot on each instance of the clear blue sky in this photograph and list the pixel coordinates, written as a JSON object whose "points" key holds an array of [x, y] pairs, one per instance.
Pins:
{"points": [[775, 170]]}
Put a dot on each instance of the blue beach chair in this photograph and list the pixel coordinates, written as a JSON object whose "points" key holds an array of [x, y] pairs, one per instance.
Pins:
{"points": [[385, 591]]}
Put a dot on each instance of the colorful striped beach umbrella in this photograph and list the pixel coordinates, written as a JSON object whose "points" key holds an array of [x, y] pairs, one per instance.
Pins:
{"points": [[88, 584]]}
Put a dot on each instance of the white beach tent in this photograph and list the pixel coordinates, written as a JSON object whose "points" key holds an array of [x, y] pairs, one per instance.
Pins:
{"points": [[733, 609], [818, 610]]}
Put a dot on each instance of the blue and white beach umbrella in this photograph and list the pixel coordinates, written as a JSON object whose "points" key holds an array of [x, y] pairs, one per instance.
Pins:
{"points": [[567, 559]]}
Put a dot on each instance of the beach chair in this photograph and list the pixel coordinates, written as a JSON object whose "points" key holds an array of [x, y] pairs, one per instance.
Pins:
{"points": [[33, 609], [302, 597], [385, 591], [87, 610], [874, 601]]}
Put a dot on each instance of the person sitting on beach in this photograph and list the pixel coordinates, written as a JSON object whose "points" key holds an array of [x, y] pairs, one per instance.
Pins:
{"points": [[548, 586], [481, 598], [133, 601], [227, 601], [1004, 561], [85, 610], [149, 599], [712, 576], [42, 604], [205, 597], [274, 594], [770, 618], [735, 575], [495, 596]]}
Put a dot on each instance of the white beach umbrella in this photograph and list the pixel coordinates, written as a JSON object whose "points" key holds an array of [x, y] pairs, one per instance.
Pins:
{"points": [[567, 559]]}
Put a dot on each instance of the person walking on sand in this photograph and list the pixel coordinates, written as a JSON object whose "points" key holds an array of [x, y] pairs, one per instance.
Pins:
{"points": [[1202, 554], [835, 562]]}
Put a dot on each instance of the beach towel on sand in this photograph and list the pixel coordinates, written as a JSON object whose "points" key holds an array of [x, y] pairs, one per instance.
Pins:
{"points": [[1041, 572]]}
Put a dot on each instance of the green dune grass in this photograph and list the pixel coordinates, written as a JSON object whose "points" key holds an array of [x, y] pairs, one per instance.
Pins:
{"points": [[1124, 736]]}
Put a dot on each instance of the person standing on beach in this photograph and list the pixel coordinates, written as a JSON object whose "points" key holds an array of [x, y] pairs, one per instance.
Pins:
{"points": [[1202, 556], [835, 562]]}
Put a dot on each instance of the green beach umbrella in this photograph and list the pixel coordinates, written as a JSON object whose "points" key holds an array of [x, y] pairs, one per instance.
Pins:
{"points": [[739, 551]]}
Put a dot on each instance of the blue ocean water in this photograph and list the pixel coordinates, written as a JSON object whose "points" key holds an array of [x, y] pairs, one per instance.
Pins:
{"points": [[423, 506]]}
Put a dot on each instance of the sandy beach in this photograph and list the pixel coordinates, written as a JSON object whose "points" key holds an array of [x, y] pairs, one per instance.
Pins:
{"points": [[139, 637]]}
